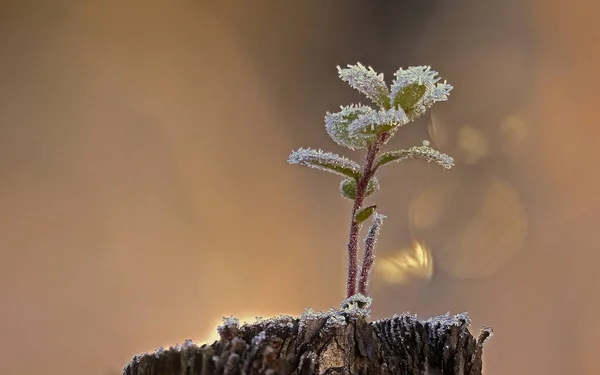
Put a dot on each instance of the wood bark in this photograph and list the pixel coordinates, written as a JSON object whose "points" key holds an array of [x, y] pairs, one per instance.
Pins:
{"points": [[333, 343]]}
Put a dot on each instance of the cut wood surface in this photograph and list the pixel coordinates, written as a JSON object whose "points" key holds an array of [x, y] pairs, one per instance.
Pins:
{"points": [[334, 342]]}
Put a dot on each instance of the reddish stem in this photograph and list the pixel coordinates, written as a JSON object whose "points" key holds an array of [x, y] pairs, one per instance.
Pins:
{"points": [[361, 192], [367, 263]]}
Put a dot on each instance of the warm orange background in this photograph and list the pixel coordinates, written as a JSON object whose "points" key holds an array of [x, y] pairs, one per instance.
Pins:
{"points": [[144, 191]]}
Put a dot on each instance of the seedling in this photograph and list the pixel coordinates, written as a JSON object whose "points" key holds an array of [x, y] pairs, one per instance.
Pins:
{"points": [[413, 91]]}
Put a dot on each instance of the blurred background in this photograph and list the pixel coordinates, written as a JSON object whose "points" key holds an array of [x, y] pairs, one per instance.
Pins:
{"points": [[144, 189]]}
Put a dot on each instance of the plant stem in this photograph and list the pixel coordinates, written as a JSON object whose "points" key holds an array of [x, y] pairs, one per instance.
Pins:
{"points": [[361, 192], [368, 259]]}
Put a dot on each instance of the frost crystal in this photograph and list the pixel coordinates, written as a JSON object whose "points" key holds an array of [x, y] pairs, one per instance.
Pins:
{"points": [[158, 351], [333, 318], [335, 321], [227, 323], [258, 339], [358, 304], [444, 322], [366, 81], [372, 120], [377, 221], [337, 126], [422, 75], [326, 161]]}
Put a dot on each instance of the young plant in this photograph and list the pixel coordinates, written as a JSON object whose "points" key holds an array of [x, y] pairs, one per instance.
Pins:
{"points": [[413, 91]]}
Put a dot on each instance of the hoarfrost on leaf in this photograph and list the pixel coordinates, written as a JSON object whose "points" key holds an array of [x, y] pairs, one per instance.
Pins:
{"points": [[377, 122], [417, 76], [424, 152], [337, 126], [366, 81], [326, 161]]}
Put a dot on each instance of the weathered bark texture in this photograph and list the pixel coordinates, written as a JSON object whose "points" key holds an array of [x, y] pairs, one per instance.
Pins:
{"points": [[333, 343]]}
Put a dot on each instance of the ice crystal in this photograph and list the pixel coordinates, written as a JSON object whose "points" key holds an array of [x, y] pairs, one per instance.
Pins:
{"points": [[366, 81], [358, 304], [444, 322], [158, 351], [337, 126], [373, 121], [335, 321], [326, 161], [228, 322], [258, 339], [333, 318]]}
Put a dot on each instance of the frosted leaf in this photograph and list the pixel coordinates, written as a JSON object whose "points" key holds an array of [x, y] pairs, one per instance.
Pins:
{"points": [[348, 187], [416, 76], [423, 152], [366, 81], [325, 161], [377, 122], [337, 125], [364, 214]]}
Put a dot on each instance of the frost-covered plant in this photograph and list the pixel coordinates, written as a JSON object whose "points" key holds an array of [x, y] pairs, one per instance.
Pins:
{"points": [[413, 91]]}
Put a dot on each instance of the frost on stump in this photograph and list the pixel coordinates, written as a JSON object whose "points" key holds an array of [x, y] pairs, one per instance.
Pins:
{"points": [[342, 341]]}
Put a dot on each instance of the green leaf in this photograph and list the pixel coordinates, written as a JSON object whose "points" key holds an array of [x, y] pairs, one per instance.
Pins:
{"points": [[409, 96], [348, 187], [390, 157], [326, 161], [423, 152], [364, 214]]}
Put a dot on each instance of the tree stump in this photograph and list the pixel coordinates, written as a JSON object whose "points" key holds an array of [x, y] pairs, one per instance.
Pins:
{"points": [[334, 342]]}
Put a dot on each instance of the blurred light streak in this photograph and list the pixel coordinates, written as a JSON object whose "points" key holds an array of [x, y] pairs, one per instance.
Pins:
{"points": [[406, 266]]}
